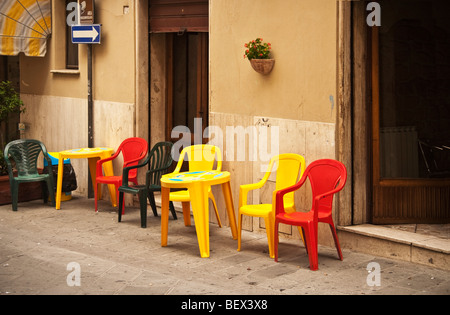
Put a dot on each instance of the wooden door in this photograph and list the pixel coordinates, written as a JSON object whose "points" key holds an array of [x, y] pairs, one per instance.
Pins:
{"points": [[187, 84], [411, 115]]}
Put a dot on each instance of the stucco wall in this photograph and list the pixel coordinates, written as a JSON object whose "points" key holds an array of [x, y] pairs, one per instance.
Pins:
{"points": [[297, 97], [56, 101], [302, 84], [113, 65]]}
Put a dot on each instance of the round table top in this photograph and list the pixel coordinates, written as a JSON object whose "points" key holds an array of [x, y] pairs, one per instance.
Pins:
{"points": [[86, 151], [181, 179]]}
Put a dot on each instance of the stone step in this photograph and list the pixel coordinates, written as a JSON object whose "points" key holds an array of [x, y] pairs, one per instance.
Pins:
{"points": [[392, 243]]}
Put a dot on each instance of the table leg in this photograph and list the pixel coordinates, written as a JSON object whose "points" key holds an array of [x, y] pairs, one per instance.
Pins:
{"points": [[165, 194], [93, 172], [109, 171], [59, 182], [199, 199], [226, 188]]}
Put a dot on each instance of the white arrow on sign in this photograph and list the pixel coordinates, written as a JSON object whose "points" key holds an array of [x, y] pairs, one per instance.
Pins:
{"points": [[86, 34], [92, 33]]}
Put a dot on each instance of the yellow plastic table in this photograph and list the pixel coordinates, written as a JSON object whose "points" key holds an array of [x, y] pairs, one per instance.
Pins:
{"points": [[197, 184], [93, 155]]}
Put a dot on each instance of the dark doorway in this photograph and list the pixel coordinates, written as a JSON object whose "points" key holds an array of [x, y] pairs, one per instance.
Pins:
{"points": [[187, 81], [411, 112]]}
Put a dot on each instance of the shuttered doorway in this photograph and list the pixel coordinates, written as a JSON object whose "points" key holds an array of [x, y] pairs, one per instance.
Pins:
{"points": [[168, 16], [184, 25]]}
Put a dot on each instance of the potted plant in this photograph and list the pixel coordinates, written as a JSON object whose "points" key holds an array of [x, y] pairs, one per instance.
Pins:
{"points": [[258, 53], [10, 102], [3, 167]]}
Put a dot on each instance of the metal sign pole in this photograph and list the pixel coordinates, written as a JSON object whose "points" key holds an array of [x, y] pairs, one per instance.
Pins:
{"points": [[87, 17], [90, 112], [90, 99]]}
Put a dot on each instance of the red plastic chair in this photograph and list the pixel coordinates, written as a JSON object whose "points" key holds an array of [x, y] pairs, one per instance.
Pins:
{"points": [[327, 177], [133, 150]]}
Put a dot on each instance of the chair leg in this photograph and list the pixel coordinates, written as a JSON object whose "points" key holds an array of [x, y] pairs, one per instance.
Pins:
{"points": [[172, 210], [123, 201], [44, 187], [311, 240], [51, 193], [14, 195], [239, 230], [151, 200], [211, 196], [120, 205], [143, 206], [336, 241], [269, 230], [95, 195], [276, 240], [306, 243], [300, 231], [186, 213]]}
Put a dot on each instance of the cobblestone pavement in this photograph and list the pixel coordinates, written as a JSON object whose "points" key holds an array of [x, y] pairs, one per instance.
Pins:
{"points": [[76, 251]]}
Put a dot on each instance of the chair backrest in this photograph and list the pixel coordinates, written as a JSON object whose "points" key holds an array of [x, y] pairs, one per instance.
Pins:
{"points": [[160, 159], [25, 153], [325, 176], [201, 157], [132, 149], [290, 168]]}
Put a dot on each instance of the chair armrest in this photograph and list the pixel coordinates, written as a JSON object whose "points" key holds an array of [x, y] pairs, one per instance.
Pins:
{"points": [[49, 164], [149, 172], [317, 199], [48, 159], [99, 171], [279, 204], [245, 189], [219, 159], [134, 160], [8, 164], [127, 169], [180, 162]]}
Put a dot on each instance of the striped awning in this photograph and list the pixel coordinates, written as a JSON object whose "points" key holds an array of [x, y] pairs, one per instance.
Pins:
{"points": [[25, 26]]}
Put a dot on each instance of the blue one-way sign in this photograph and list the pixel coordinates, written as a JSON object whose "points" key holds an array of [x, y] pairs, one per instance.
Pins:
{"points": [[86, 34]]}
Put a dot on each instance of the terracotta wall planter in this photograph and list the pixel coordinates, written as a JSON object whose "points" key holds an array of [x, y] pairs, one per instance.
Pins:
{"points": [[263, 66]]}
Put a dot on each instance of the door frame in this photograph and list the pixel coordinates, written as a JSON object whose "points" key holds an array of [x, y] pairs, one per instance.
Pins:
{"points": [[353, 106]]}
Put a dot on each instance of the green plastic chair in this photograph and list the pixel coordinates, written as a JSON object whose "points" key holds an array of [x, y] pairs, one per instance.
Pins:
{"points": [[25, 154], [158, 160]]}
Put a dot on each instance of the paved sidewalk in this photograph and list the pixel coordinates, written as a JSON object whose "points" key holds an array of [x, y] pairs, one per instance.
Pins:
{"points": [[43, 249]]}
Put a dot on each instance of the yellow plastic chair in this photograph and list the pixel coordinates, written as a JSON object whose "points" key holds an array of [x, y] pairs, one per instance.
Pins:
{"points": [[201, 157], [288, 167]]}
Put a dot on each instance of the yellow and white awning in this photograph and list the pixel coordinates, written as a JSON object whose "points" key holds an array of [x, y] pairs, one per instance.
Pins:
{"points": [[24, 27]]}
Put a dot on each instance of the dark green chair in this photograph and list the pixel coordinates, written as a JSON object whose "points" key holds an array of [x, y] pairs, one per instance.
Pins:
{"points": [[158, 160], [25, 155]]}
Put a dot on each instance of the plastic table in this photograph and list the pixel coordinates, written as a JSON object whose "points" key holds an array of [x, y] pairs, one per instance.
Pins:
{"points": [[197, 184], [93, 155]]}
